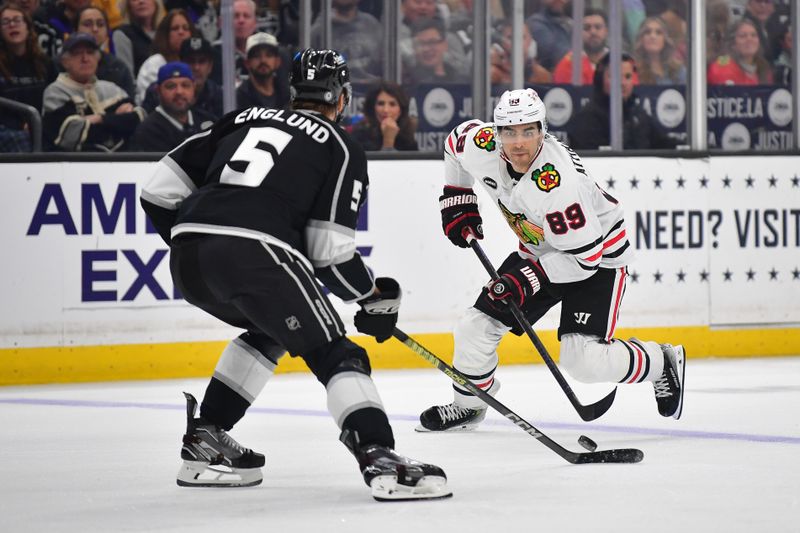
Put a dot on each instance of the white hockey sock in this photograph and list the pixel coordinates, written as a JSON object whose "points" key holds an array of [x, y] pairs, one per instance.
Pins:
{"points": [[589, 360], [476, 338], [244, 369]]}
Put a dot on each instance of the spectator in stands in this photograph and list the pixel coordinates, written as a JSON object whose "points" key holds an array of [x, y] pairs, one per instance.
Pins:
{"points": [[759, 12], [745, 63], [175, 119], [590, 127], [430, 49], [63, 15], [93, 21], [386, 125], [170, 34], [358, 36], [783, 65], [595, 33], [25, 71], [414, 12], [655, 56], [109, 8], [82, 113], [673, 13], [500, 56], [49, 39], [264, 86], [244, 25], [552, 29], [718, 20], [132, 41], [202, 13]]}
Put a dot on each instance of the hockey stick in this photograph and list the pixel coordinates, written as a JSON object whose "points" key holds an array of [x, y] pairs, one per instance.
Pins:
{"points": [[586, 412], [622, 455]]}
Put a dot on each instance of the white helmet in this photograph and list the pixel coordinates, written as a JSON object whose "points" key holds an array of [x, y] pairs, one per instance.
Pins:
{"points": [[521, 106]]}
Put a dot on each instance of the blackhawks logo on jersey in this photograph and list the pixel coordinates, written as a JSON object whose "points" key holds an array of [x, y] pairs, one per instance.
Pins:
{"points": [[546, 178], [484, 139], [527, 231]]}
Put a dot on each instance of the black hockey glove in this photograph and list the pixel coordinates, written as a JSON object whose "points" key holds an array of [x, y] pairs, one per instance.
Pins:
{"points": [[460, 215], [378, 314], [518, 284]]}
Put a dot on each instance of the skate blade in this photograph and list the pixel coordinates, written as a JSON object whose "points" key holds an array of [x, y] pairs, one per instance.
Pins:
{"points": [[680, 360], [387, 489], [455, 429], [199, 474]]}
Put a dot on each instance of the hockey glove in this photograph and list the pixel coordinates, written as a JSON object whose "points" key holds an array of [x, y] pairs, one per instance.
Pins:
{"points": [[460, 215], [518, 284], [378, 314]]}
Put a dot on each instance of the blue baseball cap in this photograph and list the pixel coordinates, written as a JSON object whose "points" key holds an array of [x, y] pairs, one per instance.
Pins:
{"points": [[174, 69]]}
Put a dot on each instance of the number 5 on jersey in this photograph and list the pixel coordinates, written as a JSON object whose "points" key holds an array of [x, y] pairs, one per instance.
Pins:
{"points": [[256, 150]]}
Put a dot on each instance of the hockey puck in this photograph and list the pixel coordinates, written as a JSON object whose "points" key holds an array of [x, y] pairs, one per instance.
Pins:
{"points": [[587, 443]]}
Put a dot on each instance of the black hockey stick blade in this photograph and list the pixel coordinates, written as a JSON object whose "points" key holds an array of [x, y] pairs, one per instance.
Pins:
{"points": [[625, 455], [586, 412]]}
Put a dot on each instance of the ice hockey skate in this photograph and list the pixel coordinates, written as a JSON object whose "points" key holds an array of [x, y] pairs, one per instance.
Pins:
{"points": [[211, 458], [450, 417], [392, 477], [669, 387]]}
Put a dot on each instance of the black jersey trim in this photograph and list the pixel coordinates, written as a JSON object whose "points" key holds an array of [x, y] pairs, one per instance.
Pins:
{"points": [[586, 248], [233, 231], [619, 251]]}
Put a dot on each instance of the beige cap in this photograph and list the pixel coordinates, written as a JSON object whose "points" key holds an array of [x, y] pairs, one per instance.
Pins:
{"points": [[261, 39]]}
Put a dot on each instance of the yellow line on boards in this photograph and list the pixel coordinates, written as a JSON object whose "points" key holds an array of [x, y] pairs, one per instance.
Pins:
{"points": [[22, 366]]}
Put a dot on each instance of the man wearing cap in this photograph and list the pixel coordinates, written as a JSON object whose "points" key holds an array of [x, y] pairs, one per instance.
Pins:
{"points": [[199, 55], [82, 113], [265, 87], [174, 120]]}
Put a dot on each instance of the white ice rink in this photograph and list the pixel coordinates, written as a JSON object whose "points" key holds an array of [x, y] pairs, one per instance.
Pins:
{"points": [[103, 458]]}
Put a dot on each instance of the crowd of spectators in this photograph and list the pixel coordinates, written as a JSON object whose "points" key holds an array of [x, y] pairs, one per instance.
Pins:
{"points": [[748, 42]]}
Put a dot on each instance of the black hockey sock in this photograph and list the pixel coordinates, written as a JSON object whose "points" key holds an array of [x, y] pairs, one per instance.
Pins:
{"points": [[371, 425], [222, 406]]}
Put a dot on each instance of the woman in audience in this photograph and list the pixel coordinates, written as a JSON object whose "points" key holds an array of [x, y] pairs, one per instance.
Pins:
{"points": [[745, 63], [24, 73], [93, 21], [170, 34], [132, 41], [386, 124], [655, 55]]}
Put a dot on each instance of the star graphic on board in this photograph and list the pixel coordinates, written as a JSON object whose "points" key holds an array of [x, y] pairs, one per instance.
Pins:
{"points": [[634, 183], [610, 182], [751, 275], [703, 275], [681, 276], [796, 273], [773, 181], [795, 181], [657, 183], [726, 182], [773, 274], [657, 275], [727, 275], [634, 277], [681, 182], [704, 182], [749, 181]]}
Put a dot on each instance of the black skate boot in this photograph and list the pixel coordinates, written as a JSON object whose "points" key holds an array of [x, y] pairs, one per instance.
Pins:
{"points": [[211, 458], [392, 477], [450, 417], [669, 387]]}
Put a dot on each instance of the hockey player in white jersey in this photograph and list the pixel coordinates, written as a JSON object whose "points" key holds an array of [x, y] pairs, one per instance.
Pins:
{"points": [[573, 249]]}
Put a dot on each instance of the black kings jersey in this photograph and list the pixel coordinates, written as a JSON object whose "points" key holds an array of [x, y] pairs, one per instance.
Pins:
{"points": [[289, 178]]}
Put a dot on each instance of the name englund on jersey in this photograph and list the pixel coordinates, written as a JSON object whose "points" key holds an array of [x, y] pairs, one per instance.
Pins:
{"points": [[558, 212]]}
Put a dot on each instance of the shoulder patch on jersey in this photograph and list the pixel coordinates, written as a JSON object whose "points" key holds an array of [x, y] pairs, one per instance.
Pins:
{"points": [[490, 182], [484, 139], [527, 232], [546, 178]]}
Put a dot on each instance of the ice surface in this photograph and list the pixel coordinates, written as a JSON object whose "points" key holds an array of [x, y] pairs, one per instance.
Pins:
{"points": [[103, 457]]}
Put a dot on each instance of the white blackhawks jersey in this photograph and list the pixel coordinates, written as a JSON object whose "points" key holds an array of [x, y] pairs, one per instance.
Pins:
{"points": [[558, 212]]}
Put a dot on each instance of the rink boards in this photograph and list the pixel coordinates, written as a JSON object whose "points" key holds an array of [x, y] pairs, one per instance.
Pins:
{"points": [[87, 294]]}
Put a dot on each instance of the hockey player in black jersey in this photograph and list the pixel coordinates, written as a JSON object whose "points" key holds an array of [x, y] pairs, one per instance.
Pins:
{"points": [[256, 210]]}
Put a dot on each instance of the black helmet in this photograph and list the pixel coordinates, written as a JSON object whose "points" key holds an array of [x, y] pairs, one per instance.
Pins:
{"points": [[320, 76]]}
